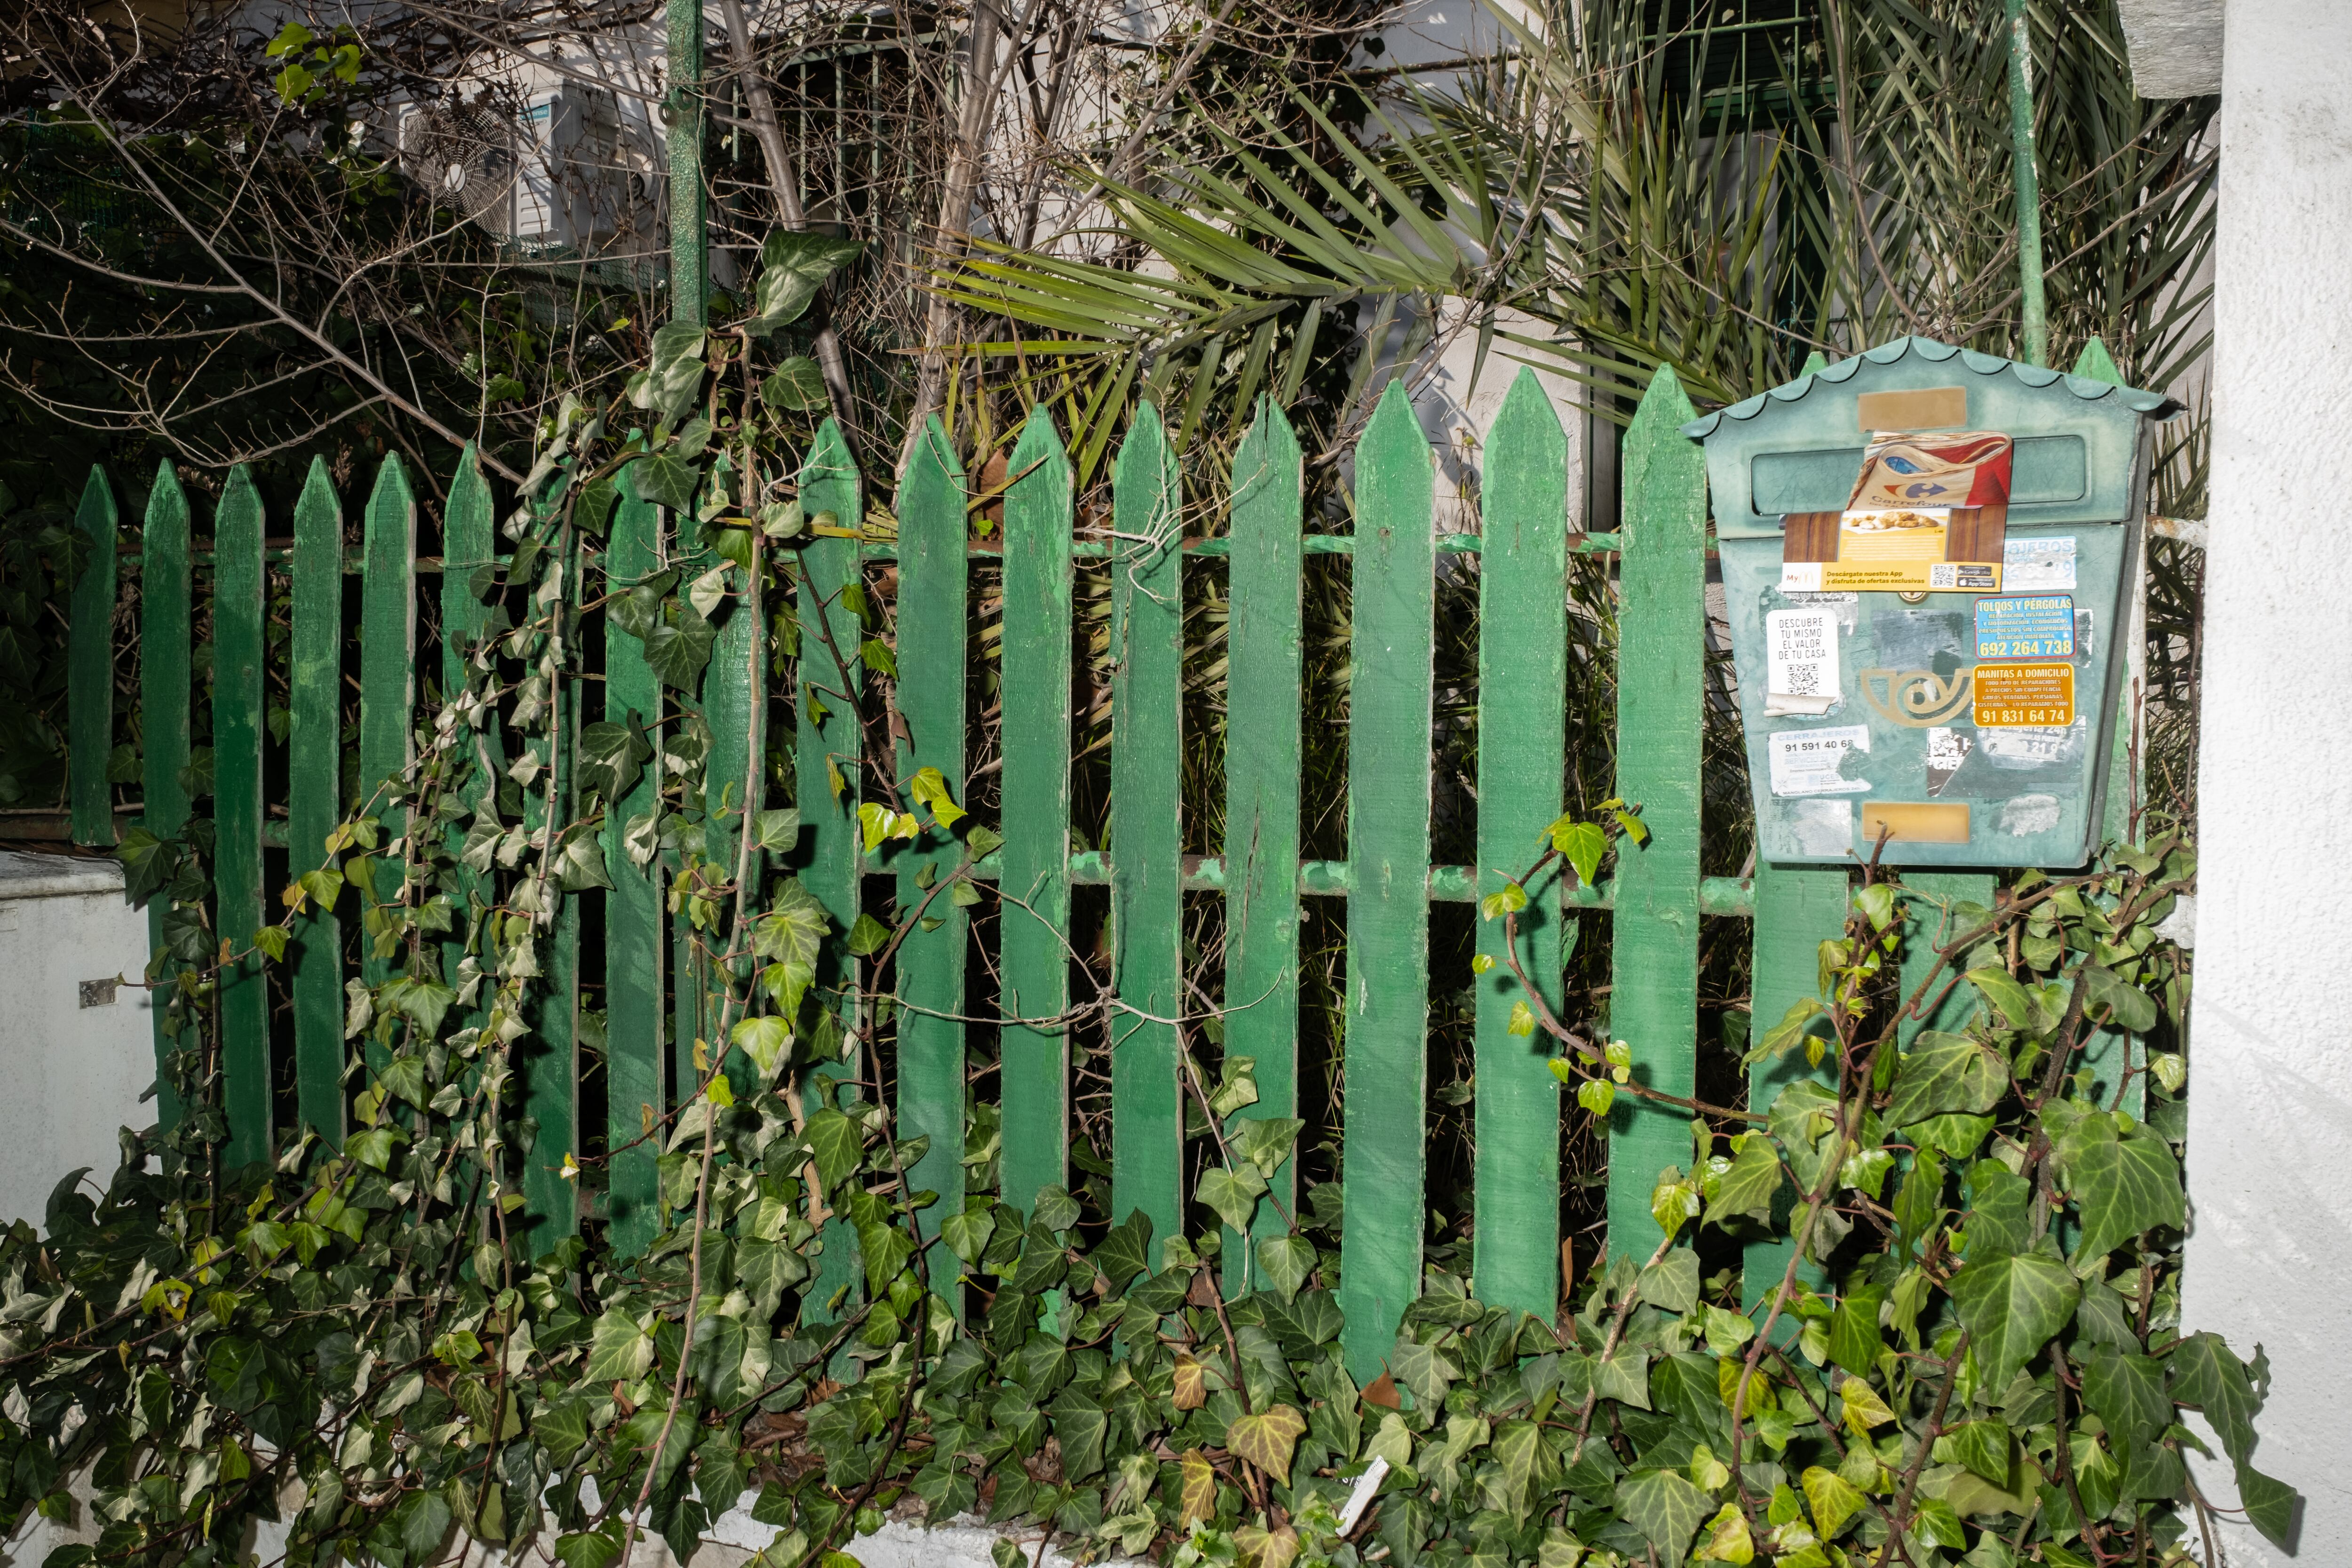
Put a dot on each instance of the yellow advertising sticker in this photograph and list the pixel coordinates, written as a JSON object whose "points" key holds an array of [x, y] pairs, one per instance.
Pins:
{"points": [[1890, 577], [1892, 549], [2021, 696]]}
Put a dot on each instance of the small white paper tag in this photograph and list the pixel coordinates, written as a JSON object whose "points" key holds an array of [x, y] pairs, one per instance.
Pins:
{"points": [[1801, 662], [1361, 1498], [1801, 576], [2037, 564], [1806, 762]]}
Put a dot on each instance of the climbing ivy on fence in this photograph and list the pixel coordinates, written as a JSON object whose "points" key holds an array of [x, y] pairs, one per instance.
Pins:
{"points": [[1973, 1353]]}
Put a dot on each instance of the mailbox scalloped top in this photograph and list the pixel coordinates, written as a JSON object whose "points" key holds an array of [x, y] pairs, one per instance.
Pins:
{"points": [[1798, 447]]}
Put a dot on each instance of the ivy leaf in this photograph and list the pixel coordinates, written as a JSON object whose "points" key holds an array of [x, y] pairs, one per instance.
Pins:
{"points": [[1125, 1252], [619, 1351], [423, 1519], [1803, 1115], [1583, 843], [1944, 1072], [1983, 1448], [1266, 1440], [708, 592], [1056, 1210], [788, 937], [1199, 1499], [767, 1041], [2128, 1392], [930, 789], [867, 937], [1081, 1425], [835, 1144], [2202, 1372], [2269, 1504], [581, 865], [1288, 1260], [1522, 1461], [2127, 1006], [1425, 1371], [1672, 1282], [1623, 1376], [1856, 1342], [1234, 1193], [666, 481], [2010, 1307], [1864, 1407], [2005, 993], [1266, 1141], [148, 863], [1665, 1507], [1509, 900], [794, 386], [967, 1234], [669, 384], [677, 654], [1191, 1386], [2125, 1185], [638, 611], [1957, 1137], [794, 265], [1728, 1540], [1792, 1028], [1833, 1500], [1750, 1185], [587, 1549]]}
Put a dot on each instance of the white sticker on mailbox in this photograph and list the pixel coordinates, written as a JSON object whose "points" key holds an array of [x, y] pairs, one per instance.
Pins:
{"points": [[1800, 663], [1807, 761], [2037, 564]]}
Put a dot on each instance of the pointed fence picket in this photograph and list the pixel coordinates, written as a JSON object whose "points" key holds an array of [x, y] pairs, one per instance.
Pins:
{"points": [[656, 991]]}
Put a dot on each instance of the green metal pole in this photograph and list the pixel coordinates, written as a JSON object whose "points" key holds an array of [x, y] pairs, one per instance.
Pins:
{"points": [[2029, 183], [689, 240]]}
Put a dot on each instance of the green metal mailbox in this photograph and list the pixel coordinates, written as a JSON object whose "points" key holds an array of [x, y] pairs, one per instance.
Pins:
{"points": [[1929, 661]]}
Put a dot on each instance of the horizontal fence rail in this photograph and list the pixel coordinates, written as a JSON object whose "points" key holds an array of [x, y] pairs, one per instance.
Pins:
{"points": [[655, 1005]]}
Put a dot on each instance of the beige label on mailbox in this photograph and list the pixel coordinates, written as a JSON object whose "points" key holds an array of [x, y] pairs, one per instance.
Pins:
{"points": [[2014, 696]]}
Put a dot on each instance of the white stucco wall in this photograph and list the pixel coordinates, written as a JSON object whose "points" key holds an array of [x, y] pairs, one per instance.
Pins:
{"points": [[70, 1074], [2270, 1103]]}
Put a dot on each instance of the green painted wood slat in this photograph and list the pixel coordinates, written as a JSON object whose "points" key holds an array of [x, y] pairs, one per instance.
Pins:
{"points": [[314, 792], [166, 672], [634, 946], [1522, 757], [1035, 790], [1390, 697], [1798, 908], [469, 542], [240, 586], [827, 860], [734, 696], [1263, 658], [1661, 627], [547, 1061], [90, 668], [387, 674], [1930, 916], [932, 653], [1147, 832]]}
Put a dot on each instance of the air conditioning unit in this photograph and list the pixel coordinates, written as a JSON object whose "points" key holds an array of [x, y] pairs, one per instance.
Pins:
{"points": [[555, 170]]}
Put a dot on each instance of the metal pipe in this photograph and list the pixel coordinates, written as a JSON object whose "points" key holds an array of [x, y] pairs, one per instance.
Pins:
{"points": [[689, 238], [2029, 183]]}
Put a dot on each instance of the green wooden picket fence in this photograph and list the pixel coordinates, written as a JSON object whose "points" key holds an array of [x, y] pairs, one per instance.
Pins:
{"points": [[1655, 900]]}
